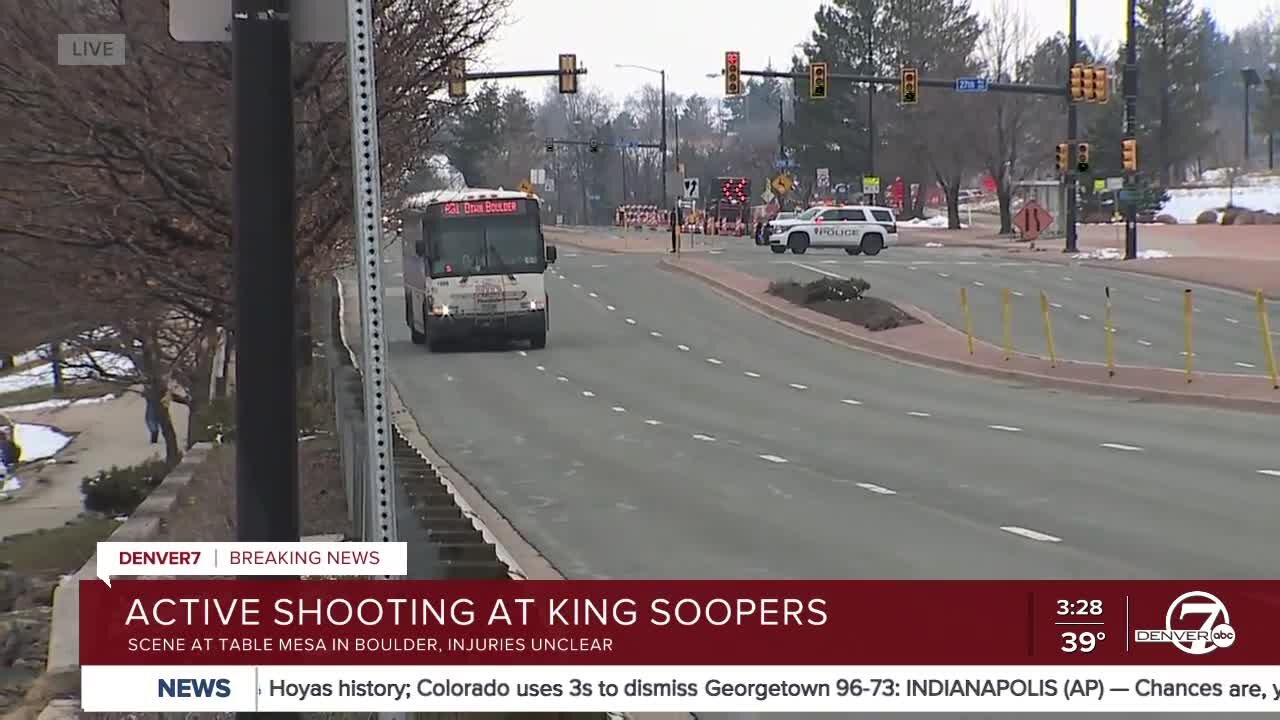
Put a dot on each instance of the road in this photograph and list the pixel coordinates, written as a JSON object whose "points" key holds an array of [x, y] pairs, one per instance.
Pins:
{"points": [[1147, 312], [667, 433]]}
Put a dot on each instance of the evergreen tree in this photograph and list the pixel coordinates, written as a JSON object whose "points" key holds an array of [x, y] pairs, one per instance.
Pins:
{"points": [[1174, 69]]}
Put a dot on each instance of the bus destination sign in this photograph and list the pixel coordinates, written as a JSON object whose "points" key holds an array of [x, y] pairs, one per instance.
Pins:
{"points": [[482, 207]]}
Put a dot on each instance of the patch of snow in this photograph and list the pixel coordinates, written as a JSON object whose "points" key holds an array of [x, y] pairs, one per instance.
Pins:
{"points": [[29, 357], [56, 404], [1186, 203], [1116, 254], [933, 245], [937, 221], [39, 441], [95, 400], [42, 375]]}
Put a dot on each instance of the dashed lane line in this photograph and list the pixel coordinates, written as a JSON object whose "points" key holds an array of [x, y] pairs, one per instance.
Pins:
{"points": [[523, 353], [1005, 428], [750, 374], [631, 321], [652, 422], [683, 348], [1246, 365], [1146, 343], [562, 378], [851, 401], [703, 438], [588, 394], [1270, 473], [1031, 534], [591, 294], [1119, 446], [618, 409], [798, 386], [715, 361], [655, 333], [917, 413], [1232, 320], [877, 489], [610, 308], [541, 368], [1151, 298], [774, 459]]}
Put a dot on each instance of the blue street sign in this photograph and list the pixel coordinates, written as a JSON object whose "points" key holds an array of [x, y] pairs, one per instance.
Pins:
{"points": [[788, 163], [971, 84]]}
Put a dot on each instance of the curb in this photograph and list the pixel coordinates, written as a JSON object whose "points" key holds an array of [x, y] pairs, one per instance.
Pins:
{"points": [[804, 321]]}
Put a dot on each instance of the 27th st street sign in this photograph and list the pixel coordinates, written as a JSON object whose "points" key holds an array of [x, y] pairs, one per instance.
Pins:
{"points": [[971, 85]]}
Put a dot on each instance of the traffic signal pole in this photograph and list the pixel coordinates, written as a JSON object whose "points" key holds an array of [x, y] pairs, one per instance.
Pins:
{"points": [[663, 141], [1018, 88], [1131, 128], [1069, 179]]}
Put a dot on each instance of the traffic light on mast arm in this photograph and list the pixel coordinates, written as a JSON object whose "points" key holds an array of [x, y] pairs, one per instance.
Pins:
{"points": [[818, 81], [1129, 154], [458, 78], [909, 86], [1101, 84], [732, 73], [1082, 157], [1077, 83], [1064, 158], [568, 74]]}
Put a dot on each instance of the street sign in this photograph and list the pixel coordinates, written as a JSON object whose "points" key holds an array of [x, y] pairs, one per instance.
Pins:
{"points": [[785, 164], [767, 195], [310, 21], [526, 186], [824, 177], [1115, 183], [1032, 220], [871, 185], [538, 176], [1099, 184], [690, 188], [972, 85], [549, 185], [782, 184]]}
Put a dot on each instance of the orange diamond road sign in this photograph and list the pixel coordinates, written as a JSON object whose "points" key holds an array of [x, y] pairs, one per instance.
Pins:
{"points": [[1032, 220]]}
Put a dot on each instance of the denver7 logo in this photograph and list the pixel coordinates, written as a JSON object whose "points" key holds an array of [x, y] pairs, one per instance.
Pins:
{"points": [[1215, 632]]}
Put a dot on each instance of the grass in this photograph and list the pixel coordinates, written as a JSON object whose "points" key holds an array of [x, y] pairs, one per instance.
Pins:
{"points": [[61, 550], [70, 391]]}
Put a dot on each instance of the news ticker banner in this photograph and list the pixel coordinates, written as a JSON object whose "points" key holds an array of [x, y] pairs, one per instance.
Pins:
{"points": [[174, 641]]}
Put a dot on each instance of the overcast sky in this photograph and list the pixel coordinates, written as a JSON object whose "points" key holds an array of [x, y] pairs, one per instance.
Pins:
{"points": [[604, 33]]}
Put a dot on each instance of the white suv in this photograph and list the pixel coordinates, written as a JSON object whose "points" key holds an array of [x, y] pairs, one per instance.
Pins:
{"points": [[858, 229]]}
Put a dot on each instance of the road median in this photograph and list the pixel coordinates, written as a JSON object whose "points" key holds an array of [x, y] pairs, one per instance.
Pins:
{"points": [[936, 344]]}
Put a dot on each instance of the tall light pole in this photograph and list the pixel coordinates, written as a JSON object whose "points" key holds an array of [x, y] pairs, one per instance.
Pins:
{"points": [[662, 143], [1250, 78]]}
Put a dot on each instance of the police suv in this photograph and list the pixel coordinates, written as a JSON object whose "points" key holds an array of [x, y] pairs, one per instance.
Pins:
{"points": [[858, 229]]}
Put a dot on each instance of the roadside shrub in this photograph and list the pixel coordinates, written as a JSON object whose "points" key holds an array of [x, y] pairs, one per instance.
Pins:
{"points": [[1208, 217], [120, 490], [1268, 218], [215, 422], [1166, 219], [1247, 218]]}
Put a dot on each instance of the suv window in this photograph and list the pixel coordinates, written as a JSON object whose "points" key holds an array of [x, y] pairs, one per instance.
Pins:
{"points": [[853, 215], [882, 215], [830, 216]]}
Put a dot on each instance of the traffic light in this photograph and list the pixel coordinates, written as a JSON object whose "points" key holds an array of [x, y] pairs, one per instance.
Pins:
{"points": [[458, 78], [568, 74], [551, 145], [732, 73], [1082, 157], [818, 81], [1129, 154], [1086, 82], [1064, 158], [595, 145], [909, 86], [1101, 84], [1077, 82]]}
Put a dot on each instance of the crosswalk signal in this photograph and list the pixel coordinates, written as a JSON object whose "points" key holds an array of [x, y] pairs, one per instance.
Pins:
{"points": [[1064, 158], [1101, 84], [1129, 154], [1082, 157], [910, 91], [1077, 83], [594, 145], [458, 78], [732, 73], [551, 145], [568, 74], [818, 81]]}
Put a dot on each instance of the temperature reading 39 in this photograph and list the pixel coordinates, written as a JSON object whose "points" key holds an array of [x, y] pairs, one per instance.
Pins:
{"points": [[1081, 642]]}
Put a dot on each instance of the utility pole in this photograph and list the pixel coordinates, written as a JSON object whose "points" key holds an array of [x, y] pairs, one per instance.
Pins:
{"points": [[663, 140], [782, 134], [871, 92], [1069, 179], [263, 217], [1131, 128]]}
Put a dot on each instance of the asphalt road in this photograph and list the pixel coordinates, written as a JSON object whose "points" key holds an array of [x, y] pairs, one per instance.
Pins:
{"points": [[1147, 312], [668, 433]]}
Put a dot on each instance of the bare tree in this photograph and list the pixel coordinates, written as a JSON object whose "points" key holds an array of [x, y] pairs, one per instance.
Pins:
{"points": [[1006, 41]]}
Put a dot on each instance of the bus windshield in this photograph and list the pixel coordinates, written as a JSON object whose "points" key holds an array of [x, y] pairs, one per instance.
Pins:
{"points": [[484, 245]]}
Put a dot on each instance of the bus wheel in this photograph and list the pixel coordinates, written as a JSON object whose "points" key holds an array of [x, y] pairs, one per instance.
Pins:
{"points": [[417, 337], [539, 341]]}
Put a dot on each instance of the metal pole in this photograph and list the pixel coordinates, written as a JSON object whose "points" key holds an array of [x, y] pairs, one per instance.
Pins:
{"points": [[1131, 128], [782, 136], [676, 119], [871, 94], [1247, 87], [663, 142], [1070, 177], [267, 507]]}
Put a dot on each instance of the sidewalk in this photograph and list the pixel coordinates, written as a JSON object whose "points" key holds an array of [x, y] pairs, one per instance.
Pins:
{"points": [[103, 434], [936, 344]]}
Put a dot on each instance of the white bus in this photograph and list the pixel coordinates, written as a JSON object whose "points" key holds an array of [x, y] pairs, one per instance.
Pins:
{"points": [[474, 262]]}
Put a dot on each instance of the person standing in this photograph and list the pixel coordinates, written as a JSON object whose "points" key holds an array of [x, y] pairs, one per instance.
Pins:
{"points": [[153, 419]]}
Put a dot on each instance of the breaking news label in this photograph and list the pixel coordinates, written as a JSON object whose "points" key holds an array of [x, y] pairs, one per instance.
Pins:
{"points": [[345, 645]]}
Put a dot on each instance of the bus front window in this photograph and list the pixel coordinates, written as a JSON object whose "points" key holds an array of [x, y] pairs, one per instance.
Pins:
{"points": [[487, 246]]}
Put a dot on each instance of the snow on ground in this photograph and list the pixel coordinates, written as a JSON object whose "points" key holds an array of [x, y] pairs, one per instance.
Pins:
{"points": [[42, 375], [39, 442], [937, 221], [1116, 254], [55, 404], [1186, 203]]}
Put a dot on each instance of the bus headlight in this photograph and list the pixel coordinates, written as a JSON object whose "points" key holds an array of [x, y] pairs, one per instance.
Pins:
{"points": [[535, 305], [439, 309]]}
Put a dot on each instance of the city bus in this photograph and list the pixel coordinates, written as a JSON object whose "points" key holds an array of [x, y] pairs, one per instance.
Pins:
{"points": [[474, 262]]}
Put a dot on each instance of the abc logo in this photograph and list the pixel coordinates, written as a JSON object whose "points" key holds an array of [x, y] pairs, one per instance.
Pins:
{"points": [[1224, 636]]}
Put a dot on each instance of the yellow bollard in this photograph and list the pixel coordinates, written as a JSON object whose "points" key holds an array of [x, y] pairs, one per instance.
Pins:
{"points": [[968, 318], [1264, 325], [1111, 338], [1006, 322], [1048, 329], [1187, 313]]}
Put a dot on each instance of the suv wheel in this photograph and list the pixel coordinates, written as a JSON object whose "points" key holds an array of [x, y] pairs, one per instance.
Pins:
{"points": [[798, 242], [872, 243]]}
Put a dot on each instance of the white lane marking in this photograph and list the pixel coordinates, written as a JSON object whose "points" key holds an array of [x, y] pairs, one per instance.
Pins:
{"points": [[592, 295], [879, 490], [599, 266], [912, 267], [916, 413], [652, 422], [944, 275], [848, 401], [577, 285], [630, 321], [1147, 343], [798, 386], [818, 270], [1084, 317], [979, 283], [655, 333], [966, 262], [1272, 473], [541, 368], [1015, 293], [751, 374], [448, 378], [683, 348], [571, 255], [1030, 534], [523, 353], [774, 459], [1005, 428], [1184, 354], [1152, 299], [1055, 305], [1197, 309], [1232, 320], [610, 307], [830, 262], [1118, 446], [1246, 365], [714, 361], [1066, 278], [704, 438], [562, 378], [619, 409], [588, 393]]}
